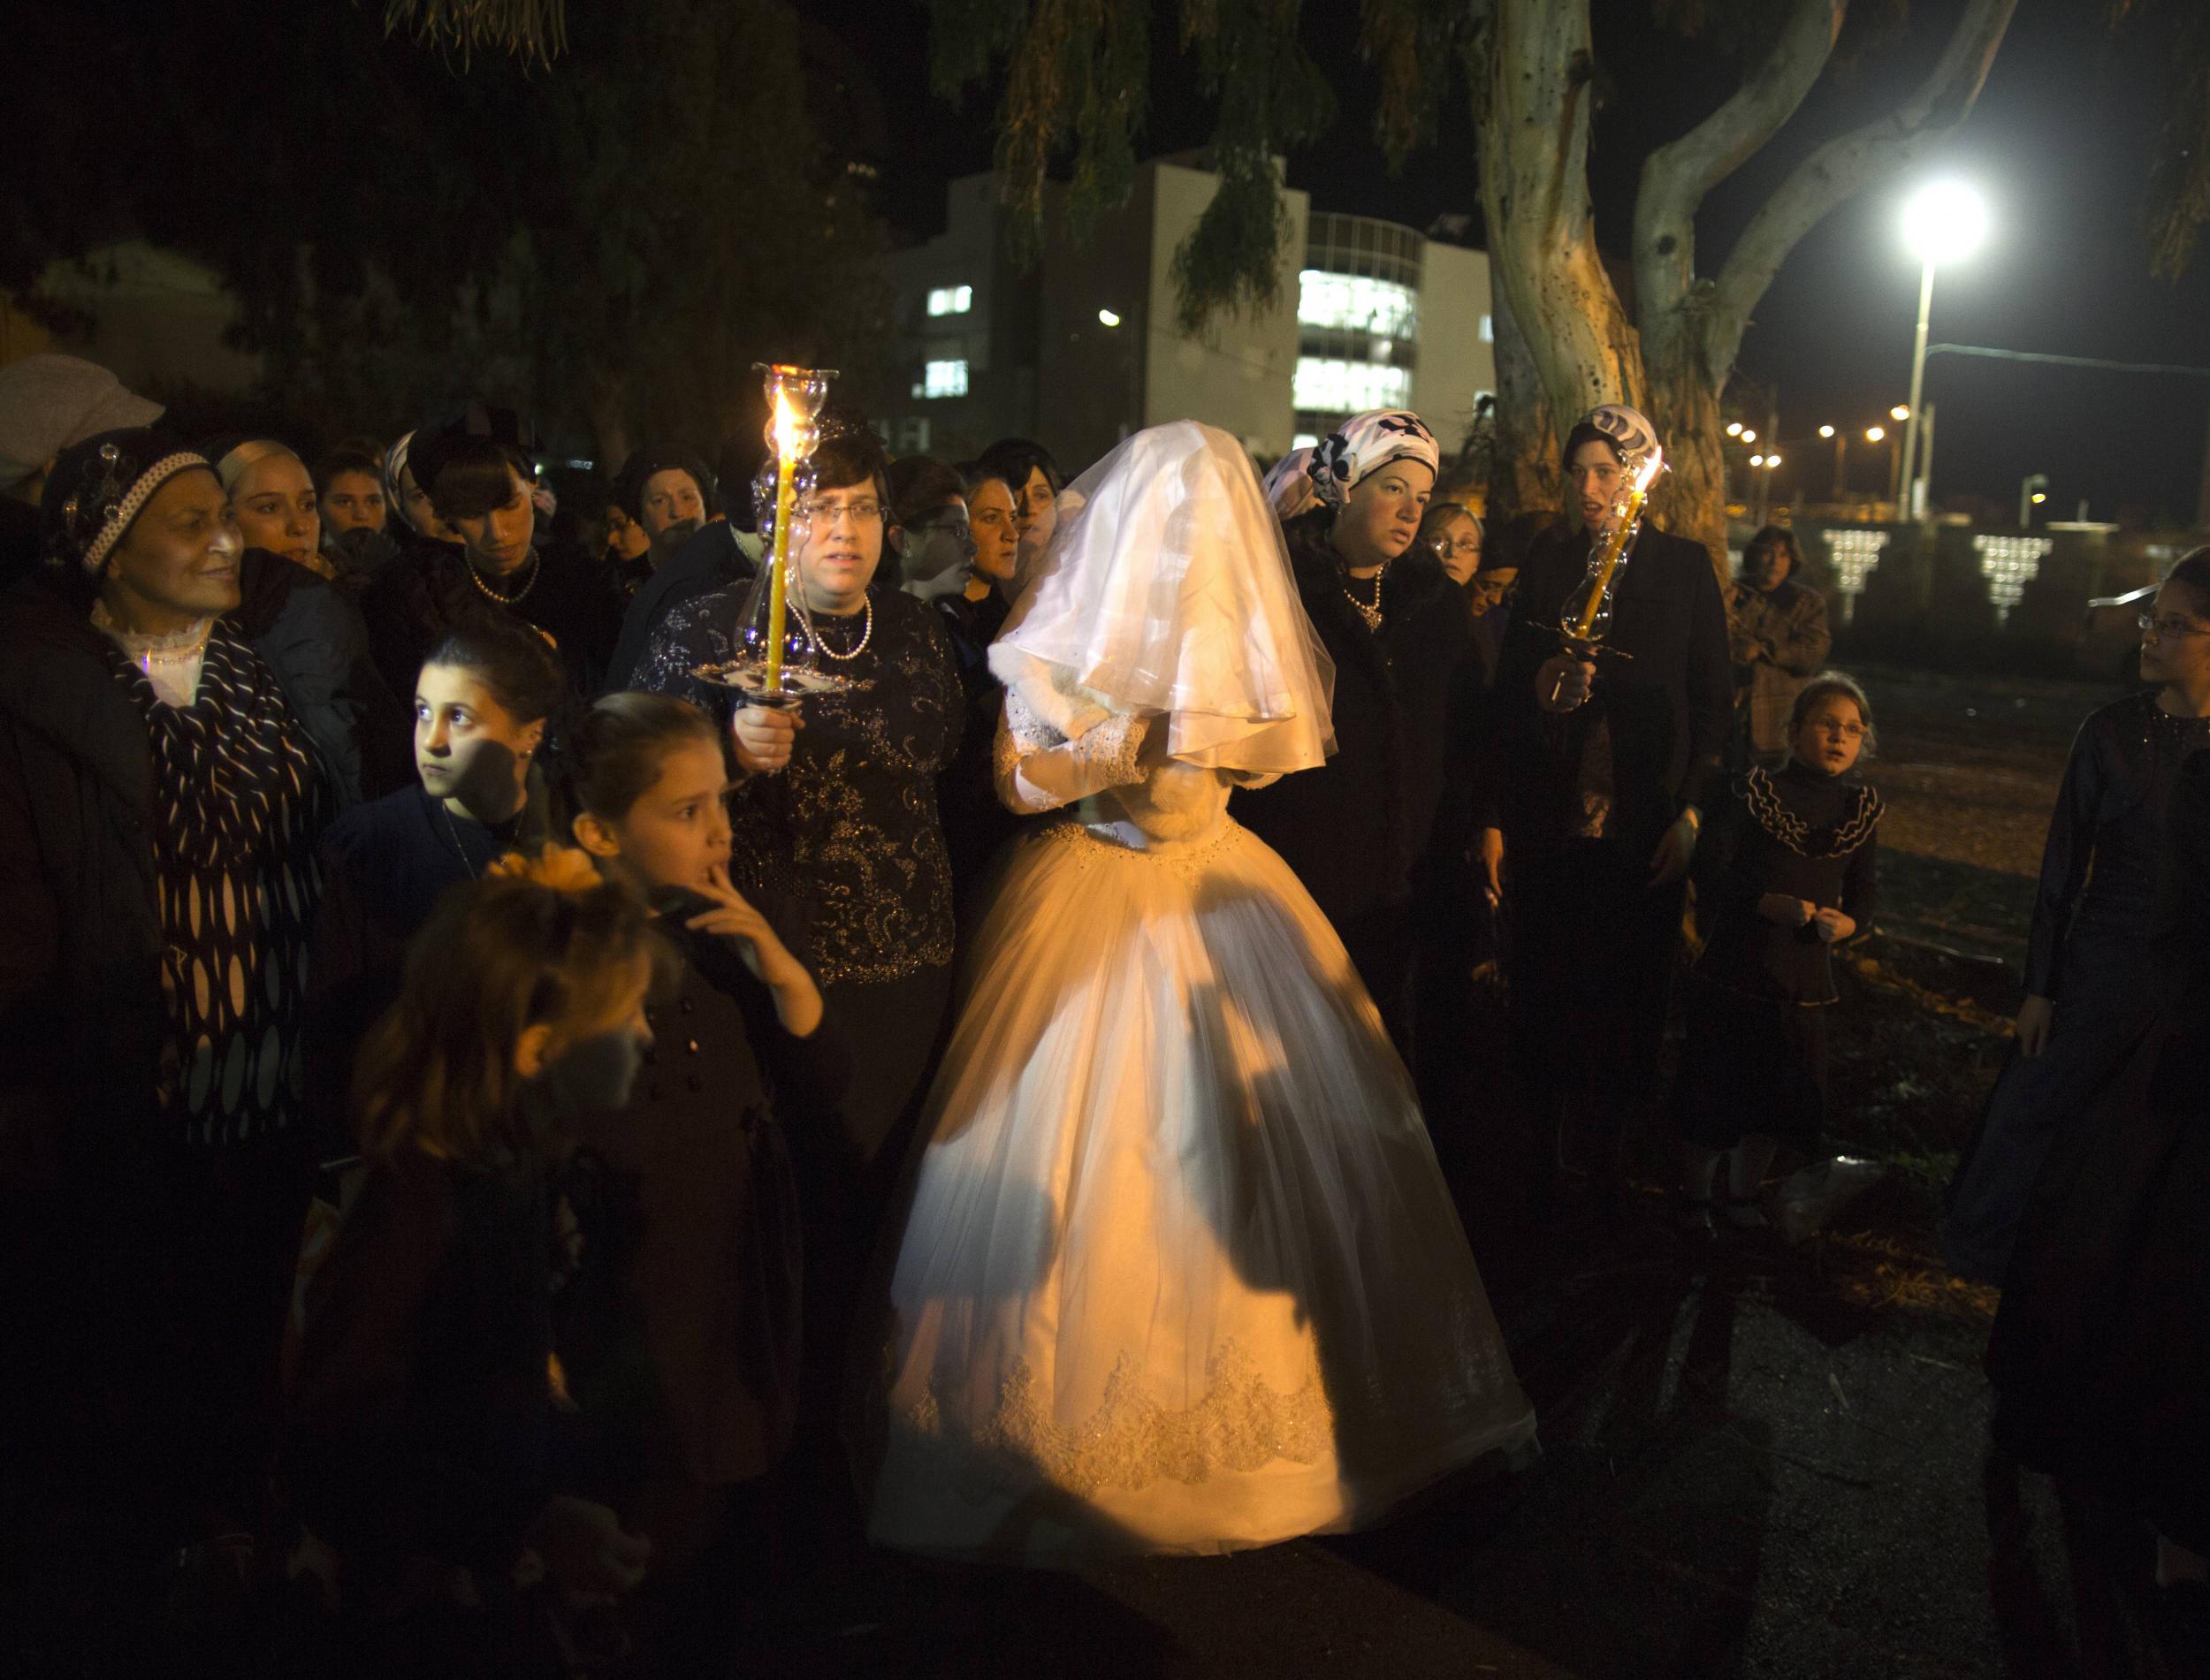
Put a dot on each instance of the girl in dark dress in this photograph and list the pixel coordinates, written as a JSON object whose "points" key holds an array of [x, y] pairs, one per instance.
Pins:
{"points": [[681, 1333], [2100, 1358], [2085, 1012], [1787, 865], [480, 701], [425, 1452]]}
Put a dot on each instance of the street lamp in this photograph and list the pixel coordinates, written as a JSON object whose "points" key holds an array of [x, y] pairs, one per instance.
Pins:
{"points": [[1944, 221], [1900, 411], [1874, 434], [1733, 429], [2031, 494], [1748, 436], [1825, 431], [1107, 318]]}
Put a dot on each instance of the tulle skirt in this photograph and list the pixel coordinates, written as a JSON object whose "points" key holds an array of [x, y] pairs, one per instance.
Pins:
{"points": [[1179, 1272]]}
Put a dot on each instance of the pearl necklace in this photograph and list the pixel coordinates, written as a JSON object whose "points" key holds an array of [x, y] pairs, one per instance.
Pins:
{"points": [[1372, 614], [865, 636], [506, 600]]}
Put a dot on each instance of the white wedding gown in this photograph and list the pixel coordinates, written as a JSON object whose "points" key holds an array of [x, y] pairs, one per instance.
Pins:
{"points": [[1180, 1273]]}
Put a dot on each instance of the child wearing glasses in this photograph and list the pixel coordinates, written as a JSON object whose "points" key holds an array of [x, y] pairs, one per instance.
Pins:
{"points": [[2085, 1009], [1785, 871]]}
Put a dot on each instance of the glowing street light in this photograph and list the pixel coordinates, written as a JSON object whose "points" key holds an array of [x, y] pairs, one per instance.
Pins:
{"points": [[1748, 436], [1756, 460], [1944, 222], [1772, 460], [1825, 431], [1107, 318], [1874, 434], [1901, 411], [1733, 429]]}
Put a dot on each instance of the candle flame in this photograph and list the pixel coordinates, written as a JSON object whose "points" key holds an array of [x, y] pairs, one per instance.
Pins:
{"points": [[1647, 473], [787, 425]]}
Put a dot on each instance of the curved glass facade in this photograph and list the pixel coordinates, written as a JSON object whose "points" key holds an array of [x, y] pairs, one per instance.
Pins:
{"points": [[1358, 314]]}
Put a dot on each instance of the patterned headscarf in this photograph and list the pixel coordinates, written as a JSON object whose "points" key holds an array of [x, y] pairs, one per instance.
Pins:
{"points": [[1626, 430], [394, 472], [1365, 443], [98, 489], [1289, 489]]}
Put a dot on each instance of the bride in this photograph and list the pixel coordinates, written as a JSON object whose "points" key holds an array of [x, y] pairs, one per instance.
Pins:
{"points": [[1179, 1272]]}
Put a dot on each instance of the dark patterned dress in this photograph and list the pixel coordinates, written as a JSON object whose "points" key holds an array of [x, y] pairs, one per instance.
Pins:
{"points": [[240, 804], [1755, 1055], [850, 833]]}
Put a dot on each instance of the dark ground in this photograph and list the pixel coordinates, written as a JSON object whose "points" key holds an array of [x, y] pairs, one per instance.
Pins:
{"points": [[1759, 1461]]}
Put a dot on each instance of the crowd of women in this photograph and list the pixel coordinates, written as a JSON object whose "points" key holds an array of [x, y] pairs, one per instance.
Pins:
{"points": [[541, 1168]]}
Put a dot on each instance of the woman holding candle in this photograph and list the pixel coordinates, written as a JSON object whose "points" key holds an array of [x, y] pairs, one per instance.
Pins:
{"points": [[1598, 771], [836, 813]]}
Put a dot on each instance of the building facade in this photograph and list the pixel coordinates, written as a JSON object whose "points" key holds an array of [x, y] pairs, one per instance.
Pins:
{"points": [[1086, 345]]}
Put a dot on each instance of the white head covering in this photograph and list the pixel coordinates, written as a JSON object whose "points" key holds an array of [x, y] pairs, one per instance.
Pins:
{"points": [[1167, 590], [1289, 487], [1364, 444]]}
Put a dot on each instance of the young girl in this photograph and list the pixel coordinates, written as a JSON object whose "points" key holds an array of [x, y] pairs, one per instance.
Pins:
{"points": [[680, 1333], [1786, 867], [424, 1447], [480, 704]]}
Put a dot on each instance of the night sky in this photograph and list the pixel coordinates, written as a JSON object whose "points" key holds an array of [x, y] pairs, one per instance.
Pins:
{"points": [[2059, 142]]}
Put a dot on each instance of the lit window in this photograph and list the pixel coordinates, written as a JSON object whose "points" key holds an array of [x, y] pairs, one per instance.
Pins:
{"points": [[1358, 302], [2008, 564], [951, 300], [1329, 387], [943, 379]]}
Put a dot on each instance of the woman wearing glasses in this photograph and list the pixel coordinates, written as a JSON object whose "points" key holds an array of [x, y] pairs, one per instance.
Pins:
{"points": [[834, 812], [2085, 1009], [835, 808]]}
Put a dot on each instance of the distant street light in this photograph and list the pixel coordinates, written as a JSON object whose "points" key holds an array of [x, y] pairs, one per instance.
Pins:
{"points": [[1733, 429], [1772, 460], [1107, 318], [1944, 221], [1874, 434], [1825, 431], [1756, 460], [1748, 436], [2031, 493], [1900, 411]]}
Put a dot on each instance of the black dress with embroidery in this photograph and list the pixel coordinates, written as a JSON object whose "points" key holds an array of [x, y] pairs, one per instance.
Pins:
{"points": [[240, 804], [850, 833], [1756, 1056]]}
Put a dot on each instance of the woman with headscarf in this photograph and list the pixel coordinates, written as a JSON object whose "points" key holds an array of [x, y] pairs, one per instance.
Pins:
{"points": [[160, 802], [1599, 770], [1179, 1272], [1398, 630]]}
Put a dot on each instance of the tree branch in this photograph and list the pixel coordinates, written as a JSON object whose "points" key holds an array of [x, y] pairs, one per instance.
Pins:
{"points": [[1843, 167], [1676, 177]]}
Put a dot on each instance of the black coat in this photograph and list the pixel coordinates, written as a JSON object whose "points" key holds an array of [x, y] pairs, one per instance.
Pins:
{"points": [[1667, 705], [82, 1022], [709, 561], [1352, 829], [413, 600]]}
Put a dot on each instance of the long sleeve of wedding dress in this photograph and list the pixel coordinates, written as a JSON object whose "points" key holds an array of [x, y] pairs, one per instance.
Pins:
{"points": [[1036, 769]]}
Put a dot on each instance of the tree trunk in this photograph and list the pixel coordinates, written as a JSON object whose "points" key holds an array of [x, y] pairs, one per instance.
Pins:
{"points": [[1533, 112], [1691, 500], [1523, 474], [610, 420]]}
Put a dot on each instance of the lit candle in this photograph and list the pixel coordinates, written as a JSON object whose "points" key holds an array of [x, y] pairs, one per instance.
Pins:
{"points": [[1625, 515], [787, 451]]}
